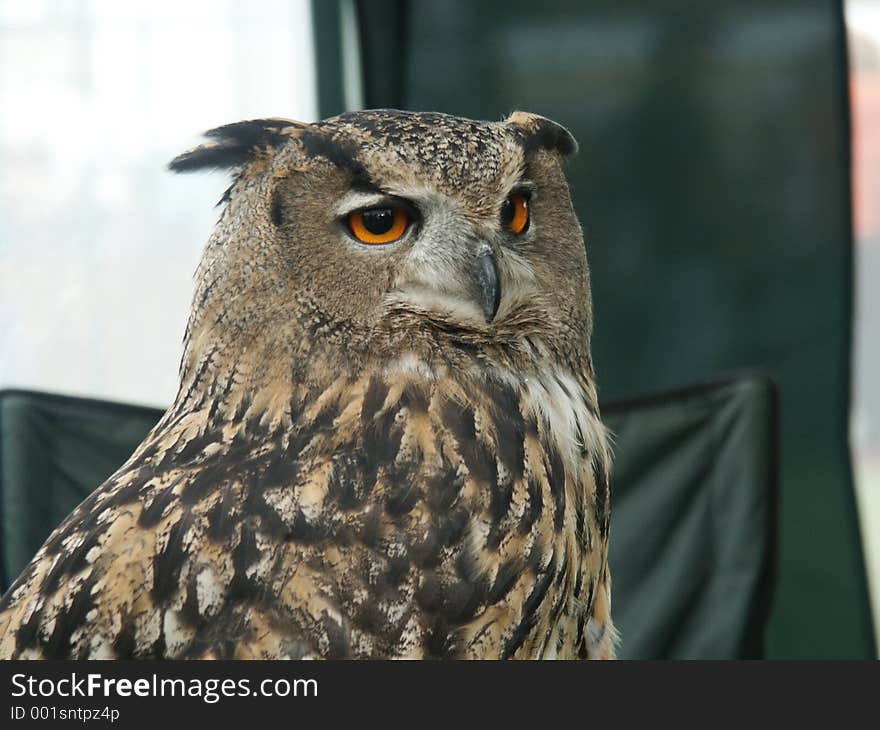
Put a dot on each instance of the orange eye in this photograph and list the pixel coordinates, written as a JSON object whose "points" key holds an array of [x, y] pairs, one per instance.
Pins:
{"points": [[378, 225], [515, 213]]}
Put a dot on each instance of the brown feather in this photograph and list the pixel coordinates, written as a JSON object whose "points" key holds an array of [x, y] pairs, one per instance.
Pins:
{"points": [[353, 467]]}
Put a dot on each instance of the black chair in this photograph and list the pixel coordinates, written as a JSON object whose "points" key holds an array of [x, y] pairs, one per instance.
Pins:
{"points": [[693, 522], [54, 451]]}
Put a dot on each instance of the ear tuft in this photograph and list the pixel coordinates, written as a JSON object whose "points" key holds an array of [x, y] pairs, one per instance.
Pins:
{"points": [[234, 145], [537, 132]]}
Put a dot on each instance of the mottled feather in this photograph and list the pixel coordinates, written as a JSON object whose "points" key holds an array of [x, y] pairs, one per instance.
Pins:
{"points": [[386, 477]]}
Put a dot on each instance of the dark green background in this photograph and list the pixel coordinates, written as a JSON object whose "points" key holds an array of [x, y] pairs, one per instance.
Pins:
{"points": [[713, 185]]}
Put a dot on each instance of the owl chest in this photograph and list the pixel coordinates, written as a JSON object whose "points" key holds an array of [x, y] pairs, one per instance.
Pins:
{"points": [[468, 511], [410, 517]]}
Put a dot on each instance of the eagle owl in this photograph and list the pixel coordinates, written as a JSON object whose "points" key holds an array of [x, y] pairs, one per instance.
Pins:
{"points": [[386, 440]]}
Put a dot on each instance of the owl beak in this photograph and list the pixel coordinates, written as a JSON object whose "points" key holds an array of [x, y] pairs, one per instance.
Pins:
{"points": [[488, 285]]}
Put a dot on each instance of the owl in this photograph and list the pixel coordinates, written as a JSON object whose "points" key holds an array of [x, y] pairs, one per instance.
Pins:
{"points": [[386, 441]]}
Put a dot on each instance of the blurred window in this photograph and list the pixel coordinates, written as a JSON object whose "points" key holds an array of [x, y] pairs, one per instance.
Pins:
{"points": [[98, 242], [863, 21]]}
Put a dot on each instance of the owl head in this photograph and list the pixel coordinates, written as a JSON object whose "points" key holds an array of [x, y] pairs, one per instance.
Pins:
{"points": [[376, 234]]}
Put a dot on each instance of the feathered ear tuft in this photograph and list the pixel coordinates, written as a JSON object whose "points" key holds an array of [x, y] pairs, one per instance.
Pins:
{"points": [[234, 145], [537, 132]]}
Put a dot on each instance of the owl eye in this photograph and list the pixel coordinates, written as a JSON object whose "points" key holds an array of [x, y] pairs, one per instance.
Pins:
{"points": [[515, 213], [378, 225]]}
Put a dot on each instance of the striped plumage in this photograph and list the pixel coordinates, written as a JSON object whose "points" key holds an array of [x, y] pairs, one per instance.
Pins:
{"points": [[425, 481]]}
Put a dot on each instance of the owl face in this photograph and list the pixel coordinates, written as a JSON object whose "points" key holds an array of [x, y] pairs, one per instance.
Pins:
{"points": [[418, 224]]}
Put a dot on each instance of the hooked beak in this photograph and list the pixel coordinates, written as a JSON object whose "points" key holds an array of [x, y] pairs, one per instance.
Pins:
{"points": [[488, 285]]}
